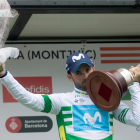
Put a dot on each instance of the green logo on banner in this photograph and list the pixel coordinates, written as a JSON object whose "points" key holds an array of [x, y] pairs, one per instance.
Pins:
{"points": [[127, 96]]}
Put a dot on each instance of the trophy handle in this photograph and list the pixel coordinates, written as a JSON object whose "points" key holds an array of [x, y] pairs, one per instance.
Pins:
{"points": [[127, 75]]}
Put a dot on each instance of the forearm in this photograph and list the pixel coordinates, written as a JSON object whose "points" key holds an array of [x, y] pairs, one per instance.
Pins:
{"points": [[33, 101], [134, 115]]}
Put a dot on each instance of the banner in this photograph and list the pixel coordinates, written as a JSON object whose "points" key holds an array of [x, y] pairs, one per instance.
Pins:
{"points": [[41, 68]]}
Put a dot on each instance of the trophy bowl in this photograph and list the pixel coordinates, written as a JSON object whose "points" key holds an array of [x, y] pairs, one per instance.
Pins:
{"points": [[5, 14], [106, 88]]}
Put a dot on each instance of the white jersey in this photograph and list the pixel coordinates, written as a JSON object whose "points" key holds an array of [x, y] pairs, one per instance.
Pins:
{"points": [[77, 116]]}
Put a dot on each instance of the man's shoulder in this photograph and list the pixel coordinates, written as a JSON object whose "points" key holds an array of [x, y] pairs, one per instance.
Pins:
{"points": [[68, 96], [63, 94]]}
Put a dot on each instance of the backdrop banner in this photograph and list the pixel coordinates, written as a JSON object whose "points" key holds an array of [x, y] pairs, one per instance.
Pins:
{"points": [[40, 68]]}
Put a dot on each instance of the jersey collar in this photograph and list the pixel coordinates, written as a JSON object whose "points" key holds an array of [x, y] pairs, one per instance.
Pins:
{"points": [[77, 90]]}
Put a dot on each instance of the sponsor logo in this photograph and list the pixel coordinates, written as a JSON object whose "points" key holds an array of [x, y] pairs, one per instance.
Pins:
{"points": [[76, 96], [77, 57], [92, 120], [38, 90], [36, 85], [78, 99], [89, 117], [81, 100], [66, 65], [13, 124], [29, 124]]}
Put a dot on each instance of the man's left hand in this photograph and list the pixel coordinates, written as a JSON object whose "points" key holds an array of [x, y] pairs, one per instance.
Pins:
{"points": [[135, 71]]}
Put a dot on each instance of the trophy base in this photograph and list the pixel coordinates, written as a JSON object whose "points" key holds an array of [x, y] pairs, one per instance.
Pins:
{"points": [[106, 89]]}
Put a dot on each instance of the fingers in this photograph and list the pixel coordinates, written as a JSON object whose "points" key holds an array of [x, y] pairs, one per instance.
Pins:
{"points": [[135, 71], [132, 72]]}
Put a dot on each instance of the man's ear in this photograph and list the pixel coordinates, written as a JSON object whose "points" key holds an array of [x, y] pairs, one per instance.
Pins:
{"points": [[70, 77]]}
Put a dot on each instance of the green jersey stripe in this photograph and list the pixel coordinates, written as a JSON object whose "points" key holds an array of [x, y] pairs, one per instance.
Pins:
{"points": [[111, 123], [71, 137], [83, 93], [122, 115], [111, 116], [108, 138], [67, 115], [119, 118], [48, 104], [66, 108], [60, 123], [68, 123]]}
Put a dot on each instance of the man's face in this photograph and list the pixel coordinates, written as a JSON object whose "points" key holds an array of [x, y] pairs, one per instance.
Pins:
{"points": [[79, 78]]}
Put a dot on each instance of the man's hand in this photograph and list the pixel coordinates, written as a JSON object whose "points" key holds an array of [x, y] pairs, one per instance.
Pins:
{"points": [[135, 71], [5, 53], [2, 69]]}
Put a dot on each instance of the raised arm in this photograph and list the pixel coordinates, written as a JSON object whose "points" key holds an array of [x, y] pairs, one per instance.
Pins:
{"points": [[30, 100], [36, 102], [123, 113]]}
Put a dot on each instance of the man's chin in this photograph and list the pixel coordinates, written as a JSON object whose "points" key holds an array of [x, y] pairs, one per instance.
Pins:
{"points": [[84, 88]]}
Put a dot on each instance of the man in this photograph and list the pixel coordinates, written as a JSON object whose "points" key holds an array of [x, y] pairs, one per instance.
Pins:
{"points": [[77, 116]]}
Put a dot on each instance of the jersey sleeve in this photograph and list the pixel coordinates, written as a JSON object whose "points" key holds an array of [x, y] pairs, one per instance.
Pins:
{"points": [[36, 102], [28, 99], [126, 115], [53, 103]]}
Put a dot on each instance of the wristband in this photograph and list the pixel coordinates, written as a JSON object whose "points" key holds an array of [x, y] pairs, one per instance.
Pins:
{"points": [[5, 73]]}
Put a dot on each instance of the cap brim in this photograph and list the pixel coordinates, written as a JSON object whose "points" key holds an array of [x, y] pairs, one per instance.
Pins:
{"points": [[76, 66]]}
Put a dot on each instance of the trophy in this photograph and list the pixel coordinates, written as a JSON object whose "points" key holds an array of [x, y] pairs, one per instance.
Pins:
{"points": [[106, 88], [5, 14]]}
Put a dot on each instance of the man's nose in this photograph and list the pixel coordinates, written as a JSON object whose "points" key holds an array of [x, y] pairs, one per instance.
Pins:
{"points": [[85, 75]]}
